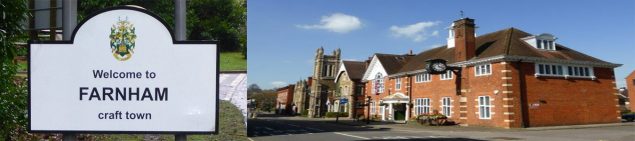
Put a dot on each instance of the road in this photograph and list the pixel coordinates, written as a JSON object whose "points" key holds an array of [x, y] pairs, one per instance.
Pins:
{"points": [[304, 129]]}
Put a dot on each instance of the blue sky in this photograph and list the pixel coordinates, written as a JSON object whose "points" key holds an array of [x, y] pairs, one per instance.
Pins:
{"points": [[283, 35]]}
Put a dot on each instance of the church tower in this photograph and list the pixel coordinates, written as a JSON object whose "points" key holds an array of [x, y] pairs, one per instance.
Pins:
{"points": [[324, 70]]}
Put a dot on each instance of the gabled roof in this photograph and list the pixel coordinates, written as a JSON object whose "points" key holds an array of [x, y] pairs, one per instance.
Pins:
{"points": [[503, 43], [387, 63], [354, 69], [393, 63], [631, 74]]}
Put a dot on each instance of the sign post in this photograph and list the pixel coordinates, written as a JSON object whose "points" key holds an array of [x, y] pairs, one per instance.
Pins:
{"points": [[179, 26], [123, 71]]}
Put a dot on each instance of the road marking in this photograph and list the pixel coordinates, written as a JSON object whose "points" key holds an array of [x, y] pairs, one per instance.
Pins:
{"points": [[359, 137], [268, 128], [250, 139]]}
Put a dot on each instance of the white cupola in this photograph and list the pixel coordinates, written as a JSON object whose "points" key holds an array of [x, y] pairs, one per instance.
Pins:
{"points": [[543, 41], [451, 36]]}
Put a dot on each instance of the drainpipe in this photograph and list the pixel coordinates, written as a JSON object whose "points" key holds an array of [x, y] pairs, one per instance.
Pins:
{"points": [[523, 96], [409, 109]]}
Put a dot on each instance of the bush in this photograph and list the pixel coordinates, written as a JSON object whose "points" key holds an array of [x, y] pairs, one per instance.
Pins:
{"points": [[334, 114], [13, 91], [625, 112], [375, 117], [304, 113]]}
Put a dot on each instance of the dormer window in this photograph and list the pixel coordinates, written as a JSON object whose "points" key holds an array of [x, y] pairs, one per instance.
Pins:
{"points": [[543, 41], [545, 44]]}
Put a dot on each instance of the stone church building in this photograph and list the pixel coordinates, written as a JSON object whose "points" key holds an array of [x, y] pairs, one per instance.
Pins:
{"points": [[323, 85], [300, 95]]}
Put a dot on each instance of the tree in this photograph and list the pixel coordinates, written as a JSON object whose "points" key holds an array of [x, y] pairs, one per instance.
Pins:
{"points": [[264, 99], [221, 20], [253, 89], [13, 94]]}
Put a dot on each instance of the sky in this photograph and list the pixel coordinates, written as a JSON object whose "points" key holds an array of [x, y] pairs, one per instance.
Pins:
{"points": [[283, 35]]}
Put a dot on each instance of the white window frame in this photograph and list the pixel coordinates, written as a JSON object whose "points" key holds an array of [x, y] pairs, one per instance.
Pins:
{"points": [[422, 106], [382, 109], [426, 105], [448, 75], [567, 70], [446, 106], [580, 71], [398, 83], [418, 106], [483, 70], [484, 107], [372, 108], [546, 69], [422, 77], [545, 44], [378, 88]]}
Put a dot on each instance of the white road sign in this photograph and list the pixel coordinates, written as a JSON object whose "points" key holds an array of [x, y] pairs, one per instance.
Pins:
{"points": [[123, 72]]}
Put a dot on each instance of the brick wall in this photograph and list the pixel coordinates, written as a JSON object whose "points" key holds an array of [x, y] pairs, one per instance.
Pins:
{"points": [[630, 86], [558, 101], [285, 99], [550, 100]]}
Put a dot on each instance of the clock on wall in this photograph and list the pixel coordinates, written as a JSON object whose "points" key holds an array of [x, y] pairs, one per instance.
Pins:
{"points": [[436, 66]]}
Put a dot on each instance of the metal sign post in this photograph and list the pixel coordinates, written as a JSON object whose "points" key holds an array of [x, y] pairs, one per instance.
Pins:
{"points": [[180, 30], [69, 21]]}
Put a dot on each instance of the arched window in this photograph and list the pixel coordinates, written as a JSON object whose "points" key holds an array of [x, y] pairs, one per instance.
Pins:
{"points": [[379, 83]]}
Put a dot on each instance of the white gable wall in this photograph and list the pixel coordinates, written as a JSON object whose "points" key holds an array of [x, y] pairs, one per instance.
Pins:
{"points": [[374, 68], [339, 72]]}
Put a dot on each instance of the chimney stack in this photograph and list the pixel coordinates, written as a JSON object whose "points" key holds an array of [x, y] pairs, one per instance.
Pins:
{"points": [[464, 40]]}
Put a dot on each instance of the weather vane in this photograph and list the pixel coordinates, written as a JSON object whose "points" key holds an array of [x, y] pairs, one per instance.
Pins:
{"points": [[462, 14]]}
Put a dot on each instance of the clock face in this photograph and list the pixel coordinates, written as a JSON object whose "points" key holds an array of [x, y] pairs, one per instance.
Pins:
{"points": [[438, 67]]}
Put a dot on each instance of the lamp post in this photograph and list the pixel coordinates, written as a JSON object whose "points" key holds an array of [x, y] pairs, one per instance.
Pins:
{"points": [[368, 105]]}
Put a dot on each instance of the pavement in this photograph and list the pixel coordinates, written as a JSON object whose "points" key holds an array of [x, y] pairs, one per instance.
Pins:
{"points": [[233, 88], [271, 127]]}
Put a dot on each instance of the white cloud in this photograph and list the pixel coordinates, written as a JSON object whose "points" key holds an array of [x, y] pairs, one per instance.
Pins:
{"points": [[338, 22], [278, 84], [417, 32]]}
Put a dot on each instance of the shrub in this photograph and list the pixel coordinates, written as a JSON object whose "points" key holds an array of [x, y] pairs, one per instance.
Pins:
{"points": [[304, 113], [334, 114], [625, 111]]}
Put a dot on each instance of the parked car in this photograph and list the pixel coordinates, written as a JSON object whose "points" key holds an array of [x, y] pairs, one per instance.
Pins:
{"points": [[628, 116]]}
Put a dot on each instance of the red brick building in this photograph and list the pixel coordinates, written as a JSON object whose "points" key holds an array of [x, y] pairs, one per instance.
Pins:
{"points": [[507, 78], [630, 86], [284, 101]]}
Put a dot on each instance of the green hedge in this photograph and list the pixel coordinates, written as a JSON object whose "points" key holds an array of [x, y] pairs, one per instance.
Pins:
{"points": [[304, 113], [333, 114]]}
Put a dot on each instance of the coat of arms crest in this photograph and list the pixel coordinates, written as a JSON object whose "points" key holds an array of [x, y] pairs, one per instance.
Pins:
{"points": [[122, 40]]}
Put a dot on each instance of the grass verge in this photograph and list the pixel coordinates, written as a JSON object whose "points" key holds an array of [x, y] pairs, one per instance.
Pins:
{"points": [[232, 61]]}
